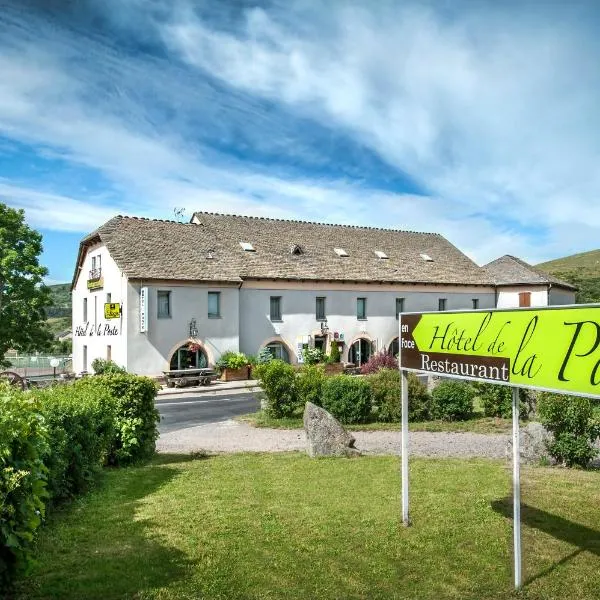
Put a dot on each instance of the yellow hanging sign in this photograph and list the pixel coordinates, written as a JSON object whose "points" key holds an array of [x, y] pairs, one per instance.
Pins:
{"points": [[112, 310]]}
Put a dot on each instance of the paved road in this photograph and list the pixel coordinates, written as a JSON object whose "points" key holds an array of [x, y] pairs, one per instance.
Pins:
{"points": [[180, 412]]}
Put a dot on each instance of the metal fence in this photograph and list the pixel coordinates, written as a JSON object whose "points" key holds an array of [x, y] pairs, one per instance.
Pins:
{"points": [[28, 365]]}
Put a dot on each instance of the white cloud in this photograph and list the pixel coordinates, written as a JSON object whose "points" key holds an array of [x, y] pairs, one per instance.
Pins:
{"points": [[486, 112]]}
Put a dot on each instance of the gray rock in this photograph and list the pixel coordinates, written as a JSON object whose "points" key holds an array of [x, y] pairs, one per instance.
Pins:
{"points": [[534, 440], [325, 436]]}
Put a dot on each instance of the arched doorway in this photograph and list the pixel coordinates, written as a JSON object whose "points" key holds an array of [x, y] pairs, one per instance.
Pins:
{"points": [[188, 356], [394, 347], [360, 351], [278, 351]]}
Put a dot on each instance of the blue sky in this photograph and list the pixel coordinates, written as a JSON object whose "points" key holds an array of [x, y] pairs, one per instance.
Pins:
{"points": [[470, 119]]}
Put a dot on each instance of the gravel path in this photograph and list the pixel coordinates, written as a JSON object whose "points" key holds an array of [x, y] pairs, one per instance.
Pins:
{"points": [[231, 436]]}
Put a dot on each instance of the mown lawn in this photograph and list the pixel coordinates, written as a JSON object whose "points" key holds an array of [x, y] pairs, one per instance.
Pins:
{"points": [[256, 526], [478, 424]]}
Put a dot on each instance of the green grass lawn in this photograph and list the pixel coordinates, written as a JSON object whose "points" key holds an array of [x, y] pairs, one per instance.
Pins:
{"points": [[262, 526], [478, 424]]}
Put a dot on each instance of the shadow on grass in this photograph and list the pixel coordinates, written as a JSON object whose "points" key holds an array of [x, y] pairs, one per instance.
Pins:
{"points": [[97, 547], [585, 538]]}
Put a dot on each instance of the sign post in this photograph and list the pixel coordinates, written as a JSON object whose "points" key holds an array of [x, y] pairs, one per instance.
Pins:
{"points": [[405, 515], [555, 349]]}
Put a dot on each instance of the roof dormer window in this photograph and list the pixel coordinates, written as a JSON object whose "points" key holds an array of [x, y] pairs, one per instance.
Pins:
{"points": [[426, 257], [381, 254], [247, 247], [340, 252], [296, 250]]}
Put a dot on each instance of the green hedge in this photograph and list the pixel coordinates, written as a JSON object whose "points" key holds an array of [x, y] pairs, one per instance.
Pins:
{"points": [[386, 390], [497, 400], [309, 383], [278, 381], [23, 445], [347, 398], [54, 442], [575, 423], [452, 401]]}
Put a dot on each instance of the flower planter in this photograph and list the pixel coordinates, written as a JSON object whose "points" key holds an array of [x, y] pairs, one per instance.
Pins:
{"points": [[234, 374], [334, 368]]}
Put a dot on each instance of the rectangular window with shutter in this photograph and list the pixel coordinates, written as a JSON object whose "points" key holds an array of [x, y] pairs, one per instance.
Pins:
{"points": [[525, 299], [275, 308], [475, 303], [85, 310], [399, 307], [214, 305], [320, 309], [163, 304], [361, 309], [442, 304]]}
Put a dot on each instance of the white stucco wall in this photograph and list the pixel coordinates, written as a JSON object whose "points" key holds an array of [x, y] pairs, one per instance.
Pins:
{"points": [[149, 353], [299, 319], [560, 296], [508, 297], [96, 333]]}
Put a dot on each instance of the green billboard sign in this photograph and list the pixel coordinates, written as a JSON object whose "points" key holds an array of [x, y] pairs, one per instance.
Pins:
{"points": [[554, 348]]}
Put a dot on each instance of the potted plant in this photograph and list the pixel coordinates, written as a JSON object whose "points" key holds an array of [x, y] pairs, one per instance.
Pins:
{"points": [[233, 366]]}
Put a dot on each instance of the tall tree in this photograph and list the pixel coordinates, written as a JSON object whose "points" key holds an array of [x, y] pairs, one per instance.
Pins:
{"points": [[23, 295]]}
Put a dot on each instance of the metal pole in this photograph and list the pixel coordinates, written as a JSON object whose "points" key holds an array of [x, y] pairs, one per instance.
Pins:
{"points": [[405, 518], [516, 488]]}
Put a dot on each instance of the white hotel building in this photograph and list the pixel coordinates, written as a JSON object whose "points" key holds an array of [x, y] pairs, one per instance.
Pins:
{"points": [[242, 283]]}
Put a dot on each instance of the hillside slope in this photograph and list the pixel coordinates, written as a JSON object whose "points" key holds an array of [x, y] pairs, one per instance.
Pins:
{"points": [[582, 270], [61, 299]]}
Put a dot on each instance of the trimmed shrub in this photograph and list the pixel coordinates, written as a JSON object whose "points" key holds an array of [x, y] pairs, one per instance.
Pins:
{"points": [[497, 400], [278, 381], [136, 417], [575, 425], [347, 398], [23, 444], [309, 382], [381, 360], [81, 424], [102, 367], [386, 393], [452, 401], [334, 353]]}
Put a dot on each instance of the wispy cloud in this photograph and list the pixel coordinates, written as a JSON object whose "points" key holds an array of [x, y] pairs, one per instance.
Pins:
{"points": [[306, 110]]}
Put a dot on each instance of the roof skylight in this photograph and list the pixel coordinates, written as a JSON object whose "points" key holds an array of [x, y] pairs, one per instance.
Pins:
{"points": [[426, 257], [247, 246], [381, 254], [340, 252]]}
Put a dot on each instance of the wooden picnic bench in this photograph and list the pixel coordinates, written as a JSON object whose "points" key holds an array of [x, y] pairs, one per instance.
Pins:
{"points": [[185, 377]]}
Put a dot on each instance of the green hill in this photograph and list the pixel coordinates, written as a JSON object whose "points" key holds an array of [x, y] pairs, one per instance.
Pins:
{"points": [[61, 300], [582, 270]]}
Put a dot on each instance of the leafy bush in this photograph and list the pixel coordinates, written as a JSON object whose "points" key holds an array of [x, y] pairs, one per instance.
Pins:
{"points": [[23, 444], [309, 382], [232, 360], [81, 423], [347, 398], [136, 417], [381, 360], [575, 425], [278, 381], [312, 356], [452, 401], [102, 367], [334, 353], [386, 390], [497, 400], [264, 356]]}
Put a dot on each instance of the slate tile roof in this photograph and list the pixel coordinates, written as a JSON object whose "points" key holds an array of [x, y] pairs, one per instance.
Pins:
{"points": [[510, 270], [292, 250]]}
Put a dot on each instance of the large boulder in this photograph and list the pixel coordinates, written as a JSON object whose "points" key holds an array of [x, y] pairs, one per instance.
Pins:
{"points": [[534, 440], [325, 436]]}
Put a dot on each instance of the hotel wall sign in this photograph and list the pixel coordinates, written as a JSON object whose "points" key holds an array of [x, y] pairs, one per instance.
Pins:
{"points": [[100, 329], [554, 348], [112, 310], [143, 310]]}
